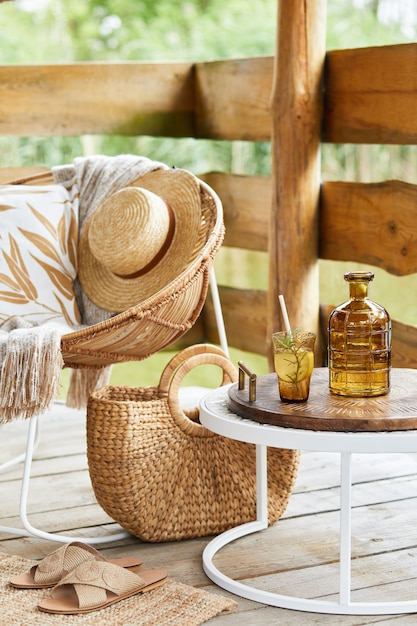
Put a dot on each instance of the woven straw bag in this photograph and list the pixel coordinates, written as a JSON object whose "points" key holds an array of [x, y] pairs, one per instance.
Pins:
{"points": [[162, 475]]}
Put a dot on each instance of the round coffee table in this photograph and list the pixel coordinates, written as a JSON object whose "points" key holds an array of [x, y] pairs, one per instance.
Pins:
{"points": [[399, 407]]}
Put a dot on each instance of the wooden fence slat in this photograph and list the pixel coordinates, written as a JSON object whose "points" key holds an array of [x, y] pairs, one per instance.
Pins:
{"points": [[370, 223], [245, 316], [247, 205], [97, 98], [135, 98], [233, 99], [370, 95]]}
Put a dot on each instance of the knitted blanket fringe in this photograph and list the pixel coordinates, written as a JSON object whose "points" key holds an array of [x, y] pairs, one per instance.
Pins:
{"points": [[30, 356], [30, 370], [82, 384]]}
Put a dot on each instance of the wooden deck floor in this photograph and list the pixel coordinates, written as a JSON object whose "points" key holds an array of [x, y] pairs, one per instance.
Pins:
{"points": [[298, 555]]}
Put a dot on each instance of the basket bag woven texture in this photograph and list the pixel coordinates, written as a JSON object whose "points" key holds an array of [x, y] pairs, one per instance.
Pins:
{"points": [[161, 474]]}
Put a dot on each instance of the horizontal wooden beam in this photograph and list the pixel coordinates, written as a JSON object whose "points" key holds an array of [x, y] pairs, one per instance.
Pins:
{"points": [[97, 98], [233, 99], [370, 223], [247, 205], [370, 95], [369, 98], [227, 99]]}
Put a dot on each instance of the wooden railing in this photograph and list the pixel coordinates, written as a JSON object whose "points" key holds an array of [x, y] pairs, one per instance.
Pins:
{"points": [[369, 96]]}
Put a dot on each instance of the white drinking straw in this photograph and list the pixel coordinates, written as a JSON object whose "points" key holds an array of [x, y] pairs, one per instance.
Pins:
{"points": [[285, 314]]}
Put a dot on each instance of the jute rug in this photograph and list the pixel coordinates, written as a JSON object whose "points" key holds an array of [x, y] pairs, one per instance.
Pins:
{"points": [[173, 604]]}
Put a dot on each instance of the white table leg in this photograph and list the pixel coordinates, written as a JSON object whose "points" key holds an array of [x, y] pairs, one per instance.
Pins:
{"points": [[261, 485], [241, 531], [345, 526]]}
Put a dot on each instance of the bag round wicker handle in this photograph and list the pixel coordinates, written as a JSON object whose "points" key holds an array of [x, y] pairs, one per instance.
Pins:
{"points": [[186, 421], [180, 357]]}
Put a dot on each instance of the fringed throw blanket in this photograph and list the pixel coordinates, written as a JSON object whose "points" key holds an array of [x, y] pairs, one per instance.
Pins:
{"points": [[30, 355], [31, 365]]}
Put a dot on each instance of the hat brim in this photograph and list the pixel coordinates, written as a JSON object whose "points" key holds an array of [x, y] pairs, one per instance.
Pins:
{"points": [[181, 191]]}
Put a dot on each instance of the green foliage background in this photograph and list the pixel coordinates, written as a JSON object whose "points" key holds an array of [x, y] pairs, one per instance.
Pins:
{"points": [[65, 31]]}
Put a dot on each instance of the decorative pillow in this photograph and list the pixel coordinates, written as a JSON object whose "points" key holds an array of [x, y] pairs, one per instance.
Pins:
{"points": [[38, 258]]}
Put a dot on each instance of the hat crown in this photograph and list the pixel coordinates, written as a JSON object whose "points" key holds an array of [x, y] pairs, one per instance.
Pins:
{"points": [[170, 235], [129, 230]]}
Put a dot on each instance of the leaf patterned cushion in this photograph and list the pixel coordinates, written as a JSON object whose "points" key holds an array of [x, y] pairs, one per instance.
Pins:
{"points": [[38, 259]]}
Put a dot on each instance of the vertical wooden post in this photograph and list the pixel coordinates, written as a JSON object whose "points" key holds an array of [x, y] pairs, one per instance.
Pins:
{"points": [[296, 119]]}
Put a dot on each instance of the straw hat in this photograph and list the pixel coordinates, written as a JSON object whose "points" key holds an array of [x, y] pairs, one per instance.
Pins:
{"points": [[140, 238]]}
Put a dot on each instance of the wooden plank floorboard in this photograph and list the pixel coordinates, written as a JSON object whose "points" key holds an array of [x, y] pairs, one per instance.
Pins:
{"points": [[298, 555]]}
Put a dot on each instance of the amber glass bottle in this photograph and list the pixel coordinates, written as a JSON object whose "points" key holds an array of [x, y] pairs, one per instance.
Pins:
{"points": [[359, 343]]}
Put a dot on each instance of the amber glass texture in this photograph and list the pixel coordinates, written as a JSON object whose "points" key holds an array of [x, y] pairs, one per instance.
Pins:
{"points": [[359, 342]]}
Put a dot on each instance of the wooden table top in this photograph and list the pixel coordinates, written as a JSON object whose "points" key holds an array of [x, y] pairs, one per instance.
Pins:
{"points": [[324, 410]]}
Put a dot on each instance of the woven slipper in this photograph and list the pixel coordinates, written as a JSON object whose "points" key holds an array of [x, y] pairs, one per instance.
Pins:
{"points": [[59, 563], [96, 585]]}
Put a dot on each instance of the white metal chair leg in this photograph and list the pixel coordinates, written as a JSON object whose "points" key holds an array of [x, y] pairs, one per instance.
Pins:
{"points": [[30, 531], [21, 457], [218, 312]]}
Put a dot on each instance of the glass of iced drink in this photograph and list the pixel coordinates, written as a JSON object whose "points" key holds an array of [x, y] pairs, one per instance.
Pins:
{"points": [[294, 363]]}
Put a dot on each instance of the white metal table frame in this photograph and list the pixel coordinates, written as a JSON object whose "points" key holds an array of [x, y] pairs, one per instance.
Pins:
{"points": [[215, 415]]}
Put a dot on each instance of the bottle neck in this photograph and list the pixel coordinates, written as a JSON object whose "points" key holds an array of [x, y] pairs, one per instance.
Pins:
{"points": [[358, 290]]}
